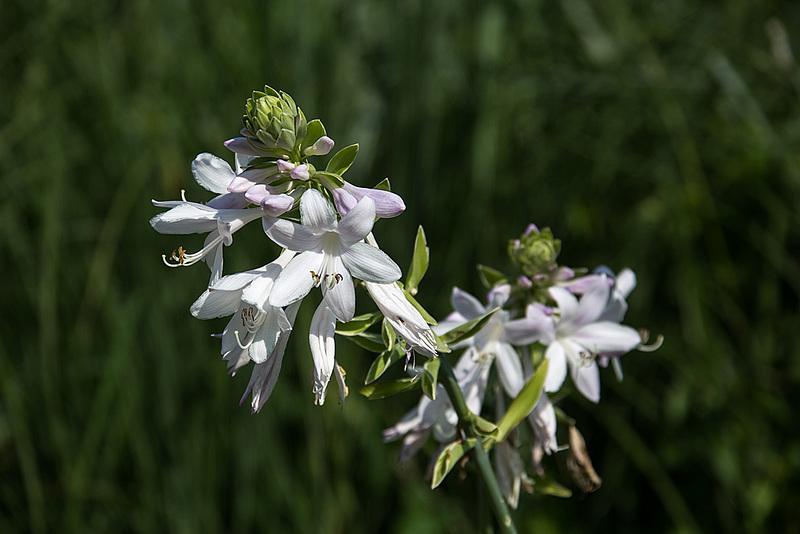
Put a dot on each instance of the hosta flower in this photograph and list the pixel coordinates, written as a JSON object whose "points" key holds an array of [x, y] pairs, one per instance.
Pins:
{"points": [[330, 254], [221, 217], [491, 342], [253, 331], [580, 335], [404, 317], [437, 418], [323, 350], [387, 204]]}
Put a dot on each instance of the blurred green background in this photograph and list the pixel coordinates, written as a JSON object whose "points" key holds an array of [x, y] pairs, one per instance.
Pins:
{"points": [[662, 136]]}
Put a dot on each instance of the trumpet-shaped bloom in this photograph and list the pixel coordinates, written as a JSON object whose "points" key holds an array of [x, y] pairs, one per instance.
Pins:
{"points": [[404, 317], [330, 254], [579, 336], [253, 331], [387, 204], [437, 417]]}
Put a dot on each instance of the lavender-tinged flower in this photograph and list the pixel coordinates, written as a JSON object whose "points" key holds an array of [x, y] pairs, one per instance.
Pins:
{"points": [[404, 317], [437, 417], [220, 218], [580, 335], [331, 253], [323, 349], [387, 204]]}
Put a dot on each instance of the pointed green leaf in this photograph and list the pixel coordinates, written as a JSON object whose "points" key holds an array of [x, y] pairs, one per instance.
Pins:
{"points": [[523, 404], [441, 346], [380, 390], [449, 458], [342, 160], [329, 179], [490, 277], [358, 324], [387, 334], [419, 262], [382, 362], [425, 315], [468, 329], [369, 341], [430, 376], [384, 185]]}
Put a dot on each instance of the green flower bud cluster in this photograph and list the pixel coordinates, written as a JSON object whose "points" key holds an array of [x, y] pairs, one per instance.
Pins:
{"points": [[275, 127], [536, 251]]}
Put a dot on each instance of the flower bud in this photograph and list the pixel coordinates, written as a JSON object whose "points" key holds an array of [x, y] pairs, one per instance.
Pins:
{"points": [[273, 124], [536, 251]]}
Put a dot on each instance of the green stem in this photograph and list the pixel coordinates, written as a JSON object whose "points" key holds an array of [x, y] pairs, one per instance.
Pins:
{"points": [[450, 383]]}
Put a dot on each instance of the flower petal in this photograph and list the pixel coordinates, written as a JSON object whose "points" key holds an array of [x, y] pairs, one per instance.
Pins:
{"points": [[556, 369], [592, 303], [466, 304], [241, 146], [587, 380], [606, 336], [509, 368], [212, 304], [323, 348], [535, 326], [358, 222], [316, 213], [370, 264], [342, 297], [290, 235], [387, 204], [296, 280], [567, 305], [212, 173]]}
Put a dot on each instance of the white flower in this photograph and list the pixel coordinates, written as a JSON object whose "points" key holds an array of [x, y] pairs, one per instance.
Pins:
{"points": [[580, 335], [404, 317], [491, 342], [331, 252], [323, 349], [437, 417], [253, 331], [220, 218]]}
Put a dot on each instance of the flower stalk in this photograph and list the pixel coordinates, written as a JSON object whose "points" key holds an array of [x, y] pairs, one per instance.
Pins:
{"points": [[501, 512]]}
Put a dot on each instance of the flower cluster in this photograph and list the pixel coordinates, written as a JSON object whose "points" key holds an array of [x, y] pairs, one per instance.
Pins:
{"points": [[552, 314], [323, 225]]}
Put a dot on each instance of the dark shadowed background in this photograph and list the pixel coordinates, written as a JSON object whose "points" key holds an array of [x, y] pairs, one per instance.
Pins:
{"points": [[662, 136]]}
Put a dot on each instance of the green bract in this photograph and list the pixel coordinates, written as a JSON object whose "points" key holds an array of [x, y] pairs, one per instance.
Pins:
{"points": [[274, 126], [536, 251]]}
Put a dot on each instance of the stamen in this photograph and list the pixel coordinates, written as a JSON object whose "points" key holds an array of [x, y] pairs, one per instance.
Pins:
{"points": [[587, 358], [239, 341], [617, 368], [184, 259], [316, 278], [652, 347]]}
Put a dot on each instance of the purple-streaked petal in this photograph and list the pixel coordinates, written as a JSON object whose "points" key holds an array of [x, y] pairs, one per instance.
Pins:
{"points": [[212, 173], [241, 146], [277, 205], [465, 304], [296, 280], [290, 235], [316, 212], [358, 222], [387, 204], [343, 200], [228, 201], [322, 146], [300, 173], [342, 298], [370, 264], [556, 368]]}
